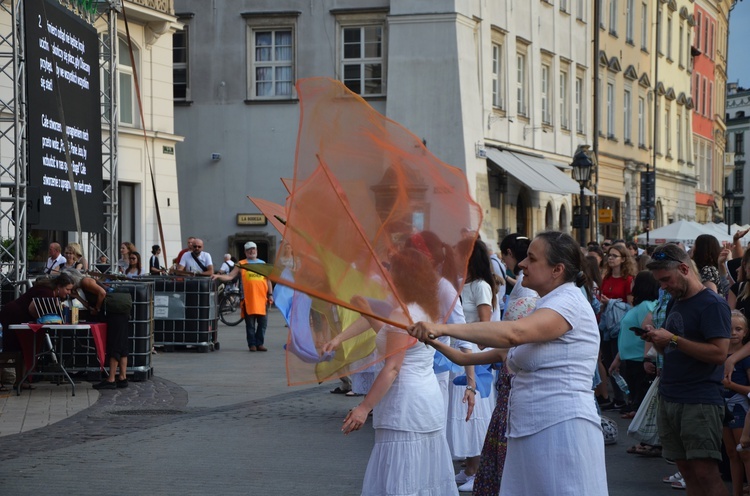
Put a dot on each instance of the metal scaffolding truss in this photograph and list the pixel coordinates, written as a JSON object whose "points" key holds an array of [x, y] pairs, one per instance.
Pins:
{"points": [[13, 140]]}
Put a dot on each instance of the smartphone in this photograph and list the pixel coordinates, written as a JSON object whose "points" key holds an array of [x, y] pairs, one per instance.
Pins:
{"points": [[638, 331]]}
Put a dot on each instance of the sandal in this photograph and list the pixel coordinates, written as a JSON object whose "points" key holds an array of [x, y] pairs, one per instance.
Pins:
{"points": [[649, 451], [679, 484], [633, 450], [338, 390], [669, 479]]}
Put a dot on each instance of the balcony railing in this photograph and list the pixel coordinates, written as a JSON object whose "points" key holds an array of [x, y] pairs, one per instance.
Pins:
{"points": [[164, 6]]}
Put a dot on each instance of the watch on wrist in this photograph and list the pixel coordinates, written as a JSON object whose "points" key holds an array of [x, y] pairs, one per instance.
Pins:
{"points": [[674, 339], [472, 389]]}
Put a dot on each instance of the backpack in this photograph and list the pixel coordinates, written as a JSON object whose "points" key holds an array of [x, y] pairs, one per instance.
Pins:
{"points": [[609, 324]]}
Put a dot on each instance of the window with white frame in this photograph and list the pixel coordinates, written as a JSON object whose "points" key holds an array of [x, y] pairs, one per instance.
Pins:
{"points": [[658, 31], [629, 20], [128, 101], [697, 92], [521, 107], [628, 116], [641, 122], [180, 64], [709, 166], [273, 63], [678, 136], [698, 24], [644, 26], [546, 96], [669, 37], [610, 110], [362, 59], [668, 131], [579, 105], [688, 47], [686, 138], [271, 55], [613, 17], [705, 35], [564, 108], [498, 77]]}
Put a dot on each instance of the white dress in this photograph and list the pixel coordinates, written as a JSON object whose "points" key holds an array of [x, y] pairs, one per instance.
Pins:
{"points": [[554, 431], [467, 438], [410, 455]]}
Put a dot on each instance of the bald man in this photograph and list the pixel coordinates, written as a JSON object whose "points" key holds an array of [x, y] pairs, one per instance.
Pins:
{"points": [[196, 260]]}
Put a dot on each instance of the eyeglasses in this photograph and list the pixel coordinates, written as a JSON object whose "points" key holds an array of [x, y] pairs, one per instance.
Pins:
{"points": [[661, 256]]}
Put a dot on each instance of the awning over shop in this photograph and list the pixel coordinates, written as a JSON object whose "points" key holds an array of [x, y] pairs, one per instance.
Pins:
{"points": [[539, 174]]}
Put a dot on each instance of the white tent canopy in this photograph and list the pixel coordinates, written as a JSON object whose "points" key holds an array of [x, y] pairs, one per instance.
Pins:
{"points": [[685, 232]]}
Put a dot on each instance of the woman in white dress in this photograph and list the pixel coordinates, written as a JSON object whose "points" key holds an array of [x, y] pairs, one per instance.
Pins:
{"points": [[469, 414], [411, 455], [557, 448]]}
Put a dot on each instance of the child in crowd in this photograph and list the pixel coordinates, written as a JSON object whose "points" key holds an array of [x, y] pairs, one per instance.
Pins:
{"points": [[737, 387]]}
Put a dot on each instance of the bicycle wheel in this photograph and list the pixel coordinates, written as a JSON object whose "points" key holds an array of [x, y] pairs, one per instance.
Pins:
{"points": [[229, 309]]}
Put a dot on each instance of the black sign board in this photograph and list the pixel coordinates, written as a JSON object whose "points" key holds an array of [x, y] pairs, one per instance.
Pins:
{"points": [[62, 53]]}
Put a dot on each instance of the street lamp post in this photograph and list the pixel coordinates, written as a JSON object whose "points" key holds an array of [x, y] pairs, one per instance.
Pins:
{"points": [[729, 205], [582, 166]]}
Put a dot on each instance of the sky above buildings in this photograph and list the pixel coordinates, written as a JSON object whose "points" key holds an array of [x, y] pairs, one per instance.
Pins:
{"points": [[739, 42]]}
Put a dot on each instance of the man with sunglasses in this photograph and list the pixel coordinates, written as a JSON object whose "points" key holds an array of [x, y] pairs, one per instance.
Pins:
{"points": [[694, 342]]}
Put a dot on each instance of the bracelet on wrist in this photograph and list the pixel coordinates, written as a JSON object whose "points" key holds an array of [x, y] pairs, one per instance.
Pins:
{"points": [[472, 389]]}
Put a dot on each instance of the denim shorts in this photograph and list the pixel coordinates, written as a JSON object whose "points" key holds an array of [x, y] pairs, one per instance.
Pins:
{"points": [[735, 418], [690, 431]]}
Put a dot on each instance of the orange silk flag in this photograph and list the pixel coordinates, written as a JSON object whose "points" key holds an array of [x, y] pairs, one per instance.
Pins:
{"points": [[363, 187]]}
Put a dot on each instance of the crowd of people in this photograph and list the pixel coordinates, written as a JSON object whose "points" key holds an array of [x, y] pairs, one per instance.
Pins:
{"points": [[658, 334]]}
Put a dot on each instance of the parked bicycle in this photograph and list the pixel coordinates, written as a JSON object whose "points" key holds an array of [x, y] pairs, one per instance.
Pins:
{"points": [[230, 305]]}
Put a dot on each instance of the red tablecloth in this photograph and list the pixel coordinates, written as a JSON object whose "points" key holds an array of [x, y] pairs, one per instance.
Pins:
{"points": [[26, 336]]}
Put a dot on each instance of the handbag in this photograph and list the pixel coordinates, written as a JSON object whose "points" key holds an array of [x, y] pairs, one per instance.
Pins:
{"points": [[643, 428]]}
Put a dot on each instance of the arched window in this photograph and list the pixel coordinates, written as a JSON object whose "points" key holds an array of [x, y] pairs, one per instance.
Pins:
{"points": [[549, 218], [564, 222]]}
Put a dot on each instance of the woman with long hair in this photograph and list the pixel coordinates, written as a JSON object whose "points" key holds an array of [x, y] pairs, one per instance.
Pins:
{"points": [[74, 257], [467, 427], [123, 263], [134, 265], [553, 352], [739, 294], [705, 254], [617, 283], [411, 452]]}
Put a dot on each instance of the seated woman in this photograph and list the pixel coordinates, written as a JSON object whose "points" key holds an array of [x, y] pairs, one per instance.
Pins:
{"points": [[74, 258]]}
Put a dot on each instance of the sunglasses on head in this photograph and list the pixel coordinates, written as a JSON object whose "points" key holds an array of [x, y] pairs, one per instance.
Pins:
{"points": [[662, 256]]}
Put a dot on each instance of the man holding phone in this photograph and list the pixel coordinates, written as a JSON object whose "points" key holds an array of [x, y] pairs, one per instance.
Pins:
{"points": [[694, 341]]}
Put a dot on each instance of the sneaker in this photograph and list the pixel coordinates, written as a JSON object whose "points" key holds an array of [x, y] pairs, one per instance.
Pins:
{"points": [[105, 384], [462, 478], [252, 348], [619, 404], [468, 486], [122, 383], [606, 405], [262, 348]]}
